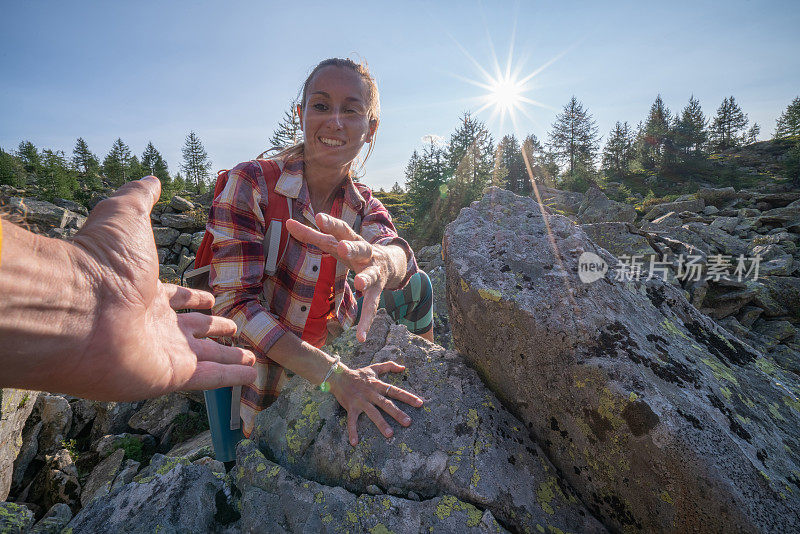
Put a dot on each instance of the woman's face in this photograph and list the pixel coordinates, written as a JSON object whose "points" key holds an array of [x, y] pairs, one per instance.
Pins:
{"points": [[335, 118]]}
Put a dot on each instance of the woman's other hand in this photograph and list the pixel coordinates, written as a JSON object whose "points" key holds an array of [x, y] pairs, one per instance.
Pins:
{"points": [[361, 391], [376, 266]]}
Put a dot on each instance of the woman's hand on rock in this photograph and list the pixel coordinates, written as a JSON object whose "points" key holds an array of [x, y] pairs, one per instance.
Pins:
{"points": [[376, 266], [361, 391]]}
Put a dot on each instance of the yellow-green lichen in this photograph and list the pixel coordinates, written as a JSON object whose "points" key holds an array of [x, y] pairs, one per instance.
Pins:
{"points": [[319, 497], [665, 497], [546, 492], [475, 477], [310, 417], [489, 294], [472, 418], [766, 366], [672, 329], [746, 401], [274, 471], [633, 396], [380, 528], [725, 392], [386, 503], [719, 370], [405, 448], [327, 518], [261, 467], [773, 409], [464, 286], [449, 504]]}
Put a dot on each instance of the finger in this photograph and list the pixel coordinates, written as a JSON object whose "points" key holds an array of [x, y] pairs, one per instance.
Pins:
{"points": [[208, 350], [335, 227], [368, 277], [201, 325], [213, 375], [392, 409], [141, 194], [355, 251], [310, 236], [386, 367], [186, 298], [352, 426], [376, 417], [369, 308]]}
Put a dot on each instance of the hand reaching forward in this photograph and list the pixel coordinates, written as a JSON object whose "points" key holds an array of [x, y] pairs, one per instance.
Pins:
{"points": [[376, 266], [104, 326]]}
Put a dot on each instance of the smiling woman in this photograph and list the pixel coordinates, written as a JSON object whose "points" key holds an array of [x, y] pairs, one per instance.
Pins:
{"points": [[335, 225]]}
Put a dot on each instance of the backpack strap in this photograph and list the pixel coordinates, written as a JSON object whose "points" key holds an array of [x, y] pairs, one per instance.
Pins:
{"points": [[279, 210]]}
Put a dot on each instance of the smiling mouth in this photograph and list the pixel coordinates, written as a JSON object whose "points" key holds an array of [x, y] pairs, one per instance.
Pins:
{"points": [[330, 142]]}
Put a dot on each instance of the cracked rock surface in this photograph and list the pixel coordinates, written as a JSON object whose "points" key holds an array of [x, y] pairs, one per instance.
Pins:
{"points": [[462, 442]]}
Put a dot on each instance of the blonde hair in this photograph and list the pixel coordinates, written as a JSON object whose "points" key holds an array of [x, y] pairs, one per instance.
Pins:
{"points": [[373, 103]]}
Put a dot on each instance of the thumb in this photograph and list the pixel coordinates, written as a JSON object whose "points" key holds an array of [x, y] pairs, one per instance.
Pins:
{"points": [[143, 194]]}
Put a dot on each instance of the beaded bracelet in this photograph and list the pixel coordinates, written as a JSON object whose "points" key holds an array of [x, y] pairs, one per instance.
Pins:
{"points": [[335, 368]]}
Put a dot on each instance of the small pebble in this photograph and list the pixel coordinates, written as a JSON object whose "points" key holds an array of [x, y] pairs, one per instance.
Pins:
{"points": [[372, 489], [413, 496]]}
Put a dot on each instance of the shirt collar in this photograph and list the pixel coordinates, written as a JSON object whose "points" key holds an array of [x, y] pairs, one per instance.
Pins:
{"points": [[291, 181]]}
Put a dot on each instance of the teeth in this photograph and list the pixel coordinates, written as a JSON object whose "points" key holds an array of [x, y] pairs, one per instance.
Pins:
{"points": [[331, 142]]}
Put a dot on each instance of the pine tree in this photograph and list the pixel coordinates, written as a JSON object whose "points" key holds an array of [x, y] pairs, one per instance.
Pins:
{"points": [[83, 160], [543, 166], [618, 152], [574, 138], [12, 172], [397, 189], [115, 164], [289, 131], [727, 130], [510, 159], [135, 169], [470, 154], [752, 134], [56, 179], [154, 164], [196, 164], [30, 157], [789, 122], [691, 134], [657, 147]]}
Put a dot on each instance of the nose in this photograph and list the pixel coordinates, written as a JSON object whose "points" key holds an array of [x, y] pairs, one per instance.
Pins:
{"points": [[336, 119]]}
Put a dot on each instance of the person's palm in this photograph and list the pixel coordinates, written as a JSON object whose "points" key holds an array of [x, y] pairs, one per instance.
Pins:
{"points": [[142, 348]]}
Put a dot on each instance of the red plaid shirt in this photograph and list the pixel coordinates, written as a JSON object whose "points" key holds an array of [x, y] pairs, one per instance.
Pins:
{"points": [[266, 307]]}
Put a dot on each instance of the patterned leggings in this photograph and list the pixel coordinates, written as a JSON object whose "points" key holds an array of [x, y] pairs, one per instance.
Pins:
{"points": [[411, 306]]}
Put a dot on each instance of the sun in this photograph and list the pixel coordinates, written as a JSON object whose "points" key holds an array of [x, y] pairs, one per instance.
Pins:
{"points": [[506, 93], [506, 87]]}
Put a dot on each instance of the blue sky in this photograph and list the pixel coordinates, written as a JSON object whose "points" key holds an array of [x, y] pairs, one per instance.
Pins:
{"points": [[153, 71]]}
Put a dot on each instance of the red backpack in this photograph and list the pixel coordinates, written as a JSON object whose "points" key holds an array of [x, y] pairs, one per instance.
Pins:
{"points": [[279, 210]]}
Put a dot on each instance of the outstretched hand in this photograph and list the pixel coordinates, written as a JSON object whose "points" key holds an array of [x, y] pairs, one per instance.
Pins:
{"points": [[140, 347], [376, 266], [361, 391]]}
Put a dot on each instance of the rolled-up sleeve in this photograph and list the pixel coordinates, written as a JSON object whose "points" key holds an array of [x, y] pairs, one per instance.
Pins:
{"points": [[378, 229], [237, 269]]}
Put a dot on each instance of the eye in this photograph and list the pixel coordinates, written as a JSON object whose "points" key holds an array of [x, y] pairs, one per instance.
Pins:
{"points": [[320, 107]]}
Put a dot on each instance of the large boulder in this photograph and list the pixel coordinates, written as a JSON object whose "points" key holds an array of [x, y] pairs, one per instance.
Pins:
{"points": [[657, 417], [180, 498], [156, 415], [15, 518], [275, 497], [621, 239], [99, 482], [462, 442], [56, 417], [693, 205], [597, 207], [15, 407]]}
